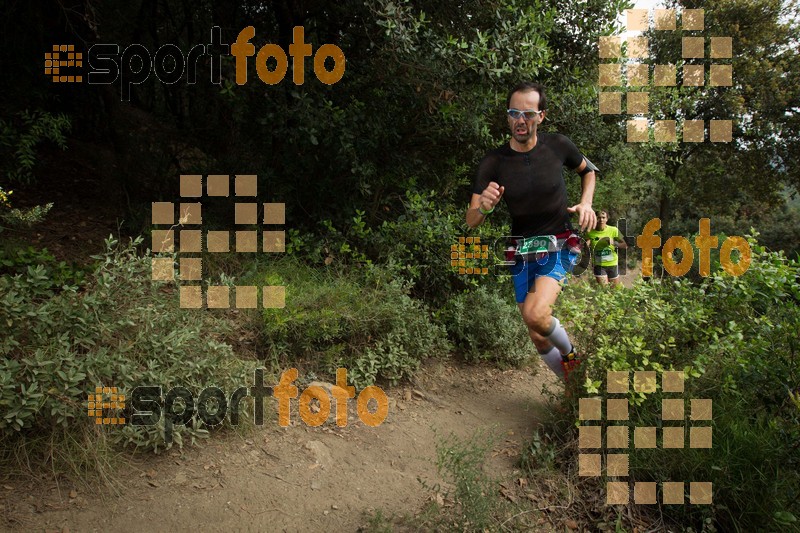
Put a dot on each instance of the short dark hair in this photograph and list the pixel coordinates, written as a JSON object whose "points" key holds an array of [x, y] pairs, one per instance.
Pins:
{"points": [[527, 86]]}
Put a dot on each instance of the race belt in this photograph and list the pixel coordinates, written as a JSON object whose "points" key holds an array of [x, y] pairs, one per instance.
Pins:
{"points": [[539, 245]]}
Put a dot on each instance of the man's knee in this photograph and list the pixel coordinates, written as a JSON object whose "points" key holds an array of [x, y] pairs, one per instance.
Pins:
{"points": [[538, 318]]}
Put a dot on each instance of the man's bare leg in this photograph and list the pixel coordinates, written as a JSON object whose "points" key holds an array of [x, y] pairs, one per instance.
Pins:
{"points": [[550, 354], [543, 329]]}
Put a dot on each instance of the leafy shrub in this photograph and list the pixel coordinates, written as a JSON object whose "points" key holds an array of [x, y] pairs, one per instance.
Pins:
{"points": [[485, 326], [119, 330], [414, 246], [20, 217], [735, 338], [20, 136], [367, 324], [58, 273], [538, 453]]}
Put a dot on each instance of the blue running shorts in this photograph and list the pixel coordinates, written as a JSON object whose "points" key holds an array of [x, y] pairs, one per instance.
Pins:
{"points": [[554, 265]]}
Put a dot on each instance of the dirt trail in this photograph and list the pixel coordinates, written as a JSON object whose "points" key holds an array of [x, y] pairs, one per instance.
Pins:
{"points": [[278, 479], [301, 478]]}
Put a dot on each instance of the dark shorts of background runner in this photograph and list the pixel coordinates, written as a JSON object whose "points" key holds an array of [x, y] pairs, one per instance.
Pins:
{"points": [[611, 271]]}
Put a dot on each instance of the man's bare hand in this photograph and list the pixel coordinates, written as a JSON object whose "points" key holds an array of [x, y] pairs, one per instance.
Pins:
{"points": [[587, 219], [491, 195]]}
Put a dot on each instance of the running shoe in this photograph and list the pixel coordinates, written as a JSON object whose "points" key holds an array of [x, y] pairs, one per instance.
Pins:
{"points": [[569, 363]]}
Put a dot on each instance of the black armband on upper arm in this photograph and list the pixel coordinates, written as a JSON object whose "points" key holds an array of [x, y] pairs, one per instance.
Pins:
{"points": [[588, 168]]}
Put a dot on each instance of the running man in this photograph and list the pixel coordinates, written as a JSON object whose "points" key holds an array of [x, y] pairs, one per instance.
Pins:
{"points": [[604, 241], [527, 174]]}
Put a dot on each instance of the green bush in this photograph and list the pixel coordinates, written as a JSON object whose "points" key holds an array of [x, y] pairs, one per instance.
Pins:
{"points": [[736, 340], [486, 326], [15, 217], [365, 323], [414, 246], [20, 136], [119, 329], [16, 260]]}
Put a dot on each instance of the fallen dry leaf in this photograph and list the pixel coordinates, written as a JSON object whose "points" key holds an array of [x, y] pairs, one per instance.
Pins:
{"points": [[509, 495]]}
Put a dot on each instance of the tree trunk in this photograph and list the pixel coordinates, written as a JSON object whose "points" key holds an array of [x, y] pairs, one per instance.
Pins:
{"points": [[664, 213]]}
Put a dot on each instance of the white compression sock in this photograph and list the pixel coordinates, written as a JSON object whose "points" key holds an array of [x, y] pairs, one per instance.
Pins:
{"points": [[552, 359], [558, 337]]}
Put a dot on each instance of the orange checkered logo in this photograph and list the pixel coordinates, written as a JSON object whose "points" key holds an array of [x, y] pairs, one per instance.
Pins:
{"points": [[192, 240], [618, 438], [97, 405], [625, 75], [61, 58], [466, 255]]}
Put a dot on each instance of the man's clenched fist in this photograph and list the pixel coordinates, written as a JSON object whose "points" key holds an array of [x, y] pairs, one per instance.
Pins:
{"points": [[491, 196]]}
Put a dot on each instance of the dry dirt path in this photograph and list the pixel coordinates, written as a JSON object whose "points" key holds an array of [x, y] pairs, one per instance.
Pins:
{"points": [[301, 478]]}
